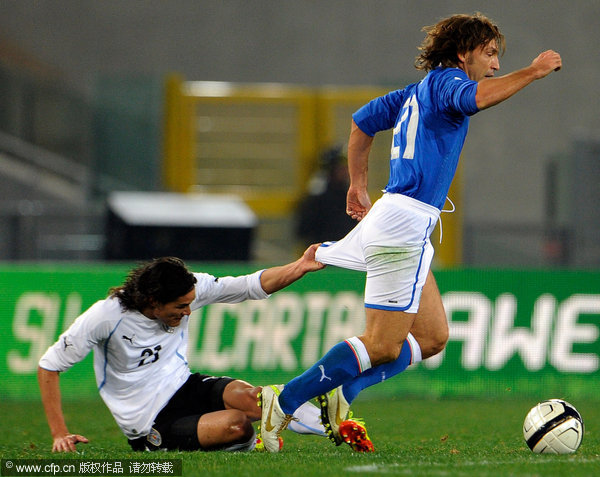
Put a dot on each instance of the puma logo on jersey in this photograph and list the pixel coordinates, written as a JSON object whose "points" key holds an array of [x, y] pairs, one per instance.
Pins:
{"points": [[128, 338], [66, 344]]}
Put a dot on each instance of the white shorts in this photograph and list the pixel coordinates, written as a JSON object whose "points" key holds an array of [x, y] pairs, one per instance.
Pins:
{"points": [[392, 245]]}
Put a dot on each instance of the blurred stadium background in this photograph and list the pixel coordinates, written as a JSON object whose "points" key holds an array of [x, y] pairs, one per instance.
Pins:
{"points": [[133, 129]]}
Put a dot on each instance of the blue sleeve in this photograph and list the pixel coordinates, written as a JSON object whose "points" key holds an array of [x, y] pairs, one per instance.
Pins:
{"points": [[457, 92], [379, 114]]}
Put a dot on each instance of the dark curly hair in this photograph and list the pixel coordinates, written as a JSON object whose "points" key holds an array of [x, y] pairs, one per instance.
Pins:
{"points": [[457, 34], [161, 280]]}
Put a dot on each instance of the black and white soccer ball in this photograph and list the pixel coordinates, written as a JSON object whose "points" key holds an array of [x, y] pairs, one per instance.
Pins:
{"points": [[553, 427]]}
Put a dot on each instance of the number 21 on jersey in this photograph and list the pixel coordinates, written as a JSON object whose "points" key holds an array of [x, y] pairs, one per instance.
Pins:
{"points": [[410, 111]]}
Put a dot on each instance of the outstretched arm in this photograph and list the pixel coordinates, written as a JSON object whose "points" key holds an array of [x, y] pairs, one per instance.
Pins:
{"points": [[50, 390], [491, 91], [275, 278], [358, 202]]}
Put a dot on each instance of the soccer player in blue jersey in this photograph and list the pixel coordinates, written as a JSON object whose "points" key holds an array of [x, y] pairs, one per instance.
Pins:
{"points": [[405, 318]]}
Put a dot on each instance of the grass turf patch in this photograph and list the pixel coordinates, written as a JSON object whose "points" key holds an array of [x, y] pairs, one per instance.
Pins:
{"points": [[412, 436]]}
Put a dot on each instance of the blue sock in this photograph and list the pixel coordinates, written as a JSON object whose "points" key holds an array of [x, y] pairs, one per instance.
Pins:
{"points": [[377, 374], [341, 363]]}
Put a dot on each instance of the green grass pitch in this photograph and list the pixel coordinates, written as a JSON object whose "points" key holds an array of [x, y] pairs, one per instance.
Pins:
{"points": [[412, 436]]}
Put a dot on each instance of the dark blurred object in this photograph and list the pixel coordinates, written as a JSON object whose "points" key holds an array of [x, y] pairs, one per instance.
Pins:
{"points": [[321, 215], [146, 225]]}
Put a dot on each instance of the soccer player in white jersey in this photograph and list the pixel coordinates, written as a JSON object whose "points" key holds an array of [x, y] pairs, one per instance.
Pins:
{"points": [[405, 318], [139, 335]]}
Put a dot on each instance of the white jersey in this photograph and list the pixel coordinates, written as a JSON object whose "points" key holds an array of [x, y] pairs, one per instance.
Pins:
{"points": [[139, 362]]}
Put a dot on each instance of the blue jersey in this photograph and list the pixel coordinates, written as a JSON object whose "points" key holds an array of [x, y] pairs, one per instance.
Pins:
{"points": [[430, 121]]}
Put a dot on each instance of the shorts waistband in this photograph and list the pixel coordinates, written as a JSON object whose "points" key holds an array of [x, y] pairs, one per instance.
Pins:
{"points": [[409, 202]]}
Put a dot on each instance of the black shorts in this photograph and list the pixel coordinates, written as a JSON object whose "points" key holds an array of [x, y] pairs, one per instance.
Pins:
{"points": [[175, 426]]}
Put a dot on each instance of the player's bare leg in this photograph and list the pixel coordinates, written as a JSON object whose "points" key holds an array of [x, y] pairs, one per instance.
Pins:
{"points": [[384, 340], [430, 327], [224, 429], [384, 336], [385, 332], [243, 396]]}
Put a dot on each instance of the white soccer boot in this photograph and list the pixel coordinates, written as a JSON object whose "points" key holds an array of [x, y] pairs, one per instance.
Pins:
{"points": [[273, 420], [334, 411]]}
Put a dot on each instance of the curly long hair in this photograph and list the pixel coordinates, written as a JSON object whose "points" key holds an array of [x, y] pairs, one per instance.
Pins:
{"points": [[457, 34], [161, 280]]}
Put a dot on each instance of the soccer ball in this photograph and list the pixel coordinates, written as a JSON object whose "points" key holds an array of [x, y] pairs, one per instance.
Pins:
{"points": [[553, 427]]}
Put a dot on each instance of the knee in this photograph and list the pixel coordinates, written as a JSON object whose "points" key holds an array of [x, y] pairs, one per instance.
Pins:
{"points": [[434, 343], [239, 427], [244, 397]]}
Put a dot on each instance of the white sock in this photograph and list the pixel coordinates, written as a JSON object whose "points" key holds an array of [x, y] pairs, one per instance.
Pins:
{"points": [[415, 348], [309, 420], [361, 352]]}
